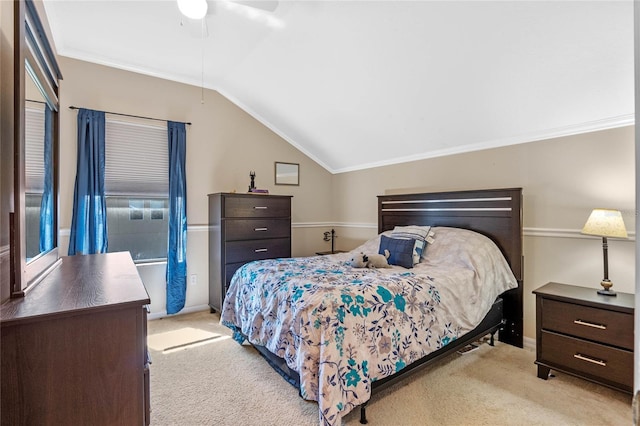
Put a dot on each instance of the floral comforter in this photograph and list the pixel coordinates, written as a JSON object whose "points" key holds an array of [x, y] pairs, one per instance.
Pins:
{"points": [[342, 328]]}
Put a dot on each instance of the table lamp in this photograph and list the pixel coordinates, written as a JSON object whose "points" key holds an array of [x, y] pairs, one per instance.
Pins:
{"points": [[605, 223]]}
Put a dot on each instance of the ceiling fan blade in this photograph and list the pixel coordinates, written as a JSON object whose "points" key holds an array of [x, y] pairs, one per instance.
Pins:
{"points": [[266, 5]]}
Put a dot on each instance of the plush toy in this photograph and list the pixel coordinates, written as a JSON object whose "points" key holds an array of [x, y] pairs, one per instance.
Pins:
{"points": [[378, 260], [359, 261], [362, 260]]}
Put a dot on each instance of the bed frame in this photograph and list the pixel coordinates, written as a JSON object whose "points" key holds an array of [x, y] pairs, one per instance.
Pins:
{"points": [[496, 213]]}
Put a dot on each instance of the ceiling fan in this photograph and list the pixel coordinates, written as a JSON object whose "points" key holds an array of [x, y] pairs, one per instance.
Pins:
{"points": [[196, 12], [266, 5]]}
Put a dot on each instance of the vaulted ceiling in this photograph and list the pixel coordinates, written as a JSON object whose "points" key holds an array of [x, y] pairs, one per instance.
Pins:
{"points": [[357, 84]]}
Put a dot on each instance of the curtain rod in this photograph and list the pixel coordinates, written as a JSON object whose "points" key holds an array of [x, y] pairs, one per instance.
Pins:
{"points": [[129, 115]]}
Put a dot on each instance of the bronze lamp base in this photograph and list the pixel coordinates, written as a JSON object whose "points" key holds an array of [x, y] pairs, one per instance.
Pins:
{"points": [[606, 291]]}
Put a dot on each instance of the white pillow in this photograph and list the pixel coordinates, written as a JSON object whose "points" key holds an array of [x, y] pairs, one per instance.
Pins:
{"points": [[421, 234]]}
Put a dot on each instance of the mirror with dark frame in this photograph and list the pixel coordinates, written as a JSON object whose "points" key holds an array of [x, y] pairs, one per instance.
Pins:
{"points": [[34, 221], [38, 221]]}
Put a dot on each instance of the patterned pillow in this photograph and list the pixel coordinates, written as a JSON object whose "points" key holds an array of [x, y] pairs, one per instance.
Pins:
{"points": [[400, 250], [418, 249], [421, 234]]}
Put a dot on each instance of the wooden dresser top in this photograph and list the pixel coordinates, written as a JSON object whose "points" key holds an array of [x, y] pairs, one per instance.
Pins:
{"points": [[79, 283], [623, 302], [248, 194]]}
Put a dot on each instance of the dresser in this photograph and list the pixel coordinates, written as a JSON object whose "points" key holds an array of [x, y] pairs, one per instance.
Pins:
{"points": [[582, 333], [74, 348], [244, 228]]}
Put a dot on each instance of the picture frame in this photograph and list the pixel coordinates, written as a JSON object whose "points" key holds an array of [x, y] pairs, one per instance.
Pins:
{"points": [[287, 173]]}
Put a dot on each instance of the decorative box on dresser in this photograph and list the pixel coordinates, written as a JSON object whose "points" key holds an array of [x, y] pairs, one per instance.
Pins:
{"points": [[585, 334], [74, 349], [244, 228]]}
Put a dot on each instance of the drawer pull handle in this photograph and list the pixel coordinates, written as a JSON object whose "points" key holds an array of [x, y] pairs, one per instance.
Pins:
{"points": [[590, 324], [260, 207], [591, 360], [260, 250], [260, 229]]}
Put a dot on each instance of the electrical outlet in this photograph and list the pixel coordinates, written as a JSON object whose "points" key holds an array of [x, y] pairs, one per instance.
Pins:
{"points": [[194, 279]]}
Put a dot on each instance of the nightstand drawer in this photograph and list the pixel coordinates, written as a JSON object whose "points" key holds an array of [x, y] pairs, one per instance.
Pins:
{"points": [[604, 326], [599, 362]]}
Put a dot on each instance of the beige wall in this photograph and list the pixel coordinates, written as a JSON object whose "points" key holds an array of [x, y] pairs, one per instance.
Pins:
{"points": [[224, 143], [562, 180]]}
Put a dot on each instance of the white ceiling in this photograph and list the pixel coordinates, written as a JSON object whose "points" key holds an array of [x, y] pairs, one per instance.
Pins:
{"points": [[357, 84]]}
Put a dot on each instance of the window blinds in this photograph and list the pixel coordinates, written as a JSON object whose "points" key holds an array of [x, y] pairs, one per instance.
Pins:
{"points": [[34, 148], [137, 159]]}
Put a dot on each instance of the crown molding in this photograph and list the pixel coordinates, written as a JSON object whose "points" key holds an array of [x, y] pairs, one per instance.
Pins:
{"points": [[558, 132]]}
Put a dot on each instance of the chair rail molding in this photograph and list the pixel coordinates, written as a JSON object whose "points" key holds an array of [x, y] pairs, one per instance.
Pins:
{"points": [[527, 231]]}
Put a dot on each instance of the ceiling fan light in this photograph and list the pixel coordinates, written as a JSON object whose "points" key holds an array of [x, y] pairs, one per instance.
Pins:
{"points": [[194, 9]]}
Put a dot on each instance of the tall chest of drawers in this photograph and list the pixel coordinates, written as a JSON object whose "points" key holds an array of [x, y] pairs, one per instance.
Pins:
{"points": [[244, 228], [582, 333]]}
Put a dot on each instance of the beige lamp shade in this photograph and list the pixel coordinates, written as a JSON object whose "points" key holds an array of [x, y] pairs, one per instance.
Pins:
{"points": [[605, 223]]}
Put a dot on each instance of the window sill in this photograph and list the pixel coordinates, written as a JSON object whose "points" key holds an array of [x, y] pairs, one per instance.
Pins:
{"points": [[150, 262]]}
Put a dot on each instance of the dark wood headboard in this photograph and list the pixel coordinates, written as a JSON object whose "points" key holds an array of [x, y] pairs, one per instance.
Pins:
{"points": [[496, 213]]}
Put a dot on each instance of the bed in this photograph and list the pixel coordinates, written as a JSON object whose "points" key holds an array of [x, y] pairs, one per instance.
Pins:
{"points": [[340, 334]]}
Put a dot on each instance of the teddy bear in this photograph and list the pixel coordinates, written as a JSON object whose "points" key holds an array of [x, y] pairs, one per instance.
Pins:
{"points": [[370, 260]]}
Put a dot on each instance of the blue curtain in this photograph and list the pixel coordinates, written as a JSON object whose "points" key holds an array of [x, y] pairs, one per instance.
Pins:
{"points": [[177, 251], [46, 205], [89, 221]]}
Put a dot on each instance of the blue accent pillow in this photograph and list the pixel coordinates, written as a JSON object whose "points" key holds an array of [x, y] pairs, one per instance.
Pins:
{"points": [[400, 250]]}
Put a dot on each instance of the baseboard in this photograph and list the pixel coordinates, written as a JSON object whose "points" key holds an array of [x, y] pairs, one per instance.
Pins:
{"points": [[188, 310], [529, 343]]}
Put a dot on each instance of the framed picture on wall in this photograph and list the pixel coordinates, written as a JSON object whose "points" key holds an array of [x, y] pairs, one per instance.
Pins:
{"points": [[287, 173]]}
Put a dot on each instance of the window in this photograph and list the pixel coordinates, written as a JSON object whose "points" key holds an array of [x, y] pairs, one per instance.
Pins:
{"points": [[137, 189], [34, 174]]}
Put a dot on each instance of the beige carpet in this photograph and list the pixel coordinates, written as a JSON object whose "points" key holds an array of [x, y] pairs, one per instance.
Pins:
{"points": [[223, 383], [180, 339]]}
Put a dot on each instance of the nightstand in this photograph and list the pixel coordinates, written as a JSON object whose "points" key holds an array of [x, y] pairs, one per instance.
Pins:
{"points": [[584, 334]]}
